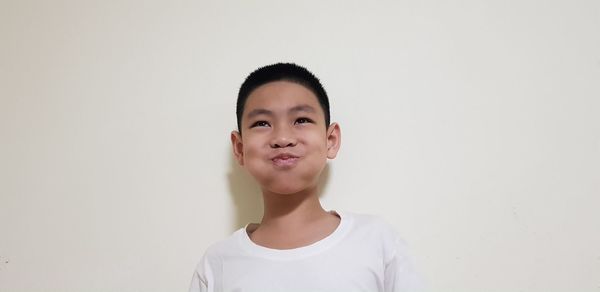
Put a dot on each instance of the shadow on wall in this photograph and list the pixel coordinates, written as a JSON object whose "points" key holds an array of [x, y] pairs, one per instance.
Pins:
{"points": [[247, 195]]}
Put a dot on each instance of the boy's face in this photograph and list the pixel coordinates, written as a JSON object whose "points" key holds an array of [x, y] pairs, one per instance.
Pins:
{"points": [[284, 142]]}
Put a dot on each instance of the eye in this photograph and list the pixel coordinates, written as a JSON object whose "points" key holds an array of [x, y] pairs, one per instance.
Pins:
{"points": [[303, 121], [260, 124]]}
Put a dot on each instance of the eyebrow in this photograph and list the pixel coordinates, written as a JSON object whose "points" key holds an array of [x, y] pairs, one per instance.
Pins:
{"points": [[298, 108]]}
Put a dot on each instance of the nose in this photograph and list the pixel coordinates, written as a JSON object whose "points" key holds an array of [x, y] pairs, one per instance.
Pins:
{"points": [[283, 137]]}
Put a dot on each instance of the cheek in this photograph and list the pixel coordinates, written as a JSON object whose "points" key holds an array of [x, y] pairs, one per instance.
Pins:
{"points": [[318, 142], [317, 152], [252, 149]]}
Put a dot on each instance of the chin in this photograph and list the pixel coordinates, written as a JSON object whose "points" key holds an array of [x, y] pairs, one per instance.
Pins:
{"points": [[287, 186], [286, 189], [289, 183]]}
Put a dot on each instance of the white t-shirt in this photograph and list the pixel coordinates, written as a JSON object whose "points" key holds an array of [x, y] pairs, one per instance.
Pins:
{"points": [[362, 254]]}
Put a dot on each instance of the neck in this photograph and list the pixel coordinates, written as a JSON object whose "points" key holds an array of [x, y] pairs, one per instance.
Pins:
{"points": [[291, 210]]}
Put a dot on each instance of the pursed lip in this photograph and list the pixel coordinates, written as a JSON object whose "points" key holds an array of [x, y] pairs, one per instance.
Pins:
{"points": [[284, 156], [285, 160]]}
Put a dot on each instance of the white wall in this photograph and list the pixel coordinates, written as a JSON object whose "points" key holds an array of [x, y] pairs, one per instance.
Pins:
{"points": [[472, 126]]}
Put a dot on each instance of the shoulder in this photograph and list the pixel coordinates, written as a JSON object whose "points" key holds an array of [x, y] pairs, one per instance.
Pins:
{"points": [[218, 250], [379, 231], [225, 246], [371, 223], [400, 272]]}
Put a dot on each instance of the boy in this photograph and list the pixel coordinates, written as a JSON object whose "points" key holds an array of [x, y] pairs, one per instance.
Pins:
{"points": [[284, 139]]}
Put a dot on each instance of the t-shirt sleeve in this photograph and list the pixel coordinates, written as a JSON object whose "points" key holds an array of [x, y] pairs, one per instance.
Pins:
{"points": [[199, 281], [197, 285], [400, 274]]}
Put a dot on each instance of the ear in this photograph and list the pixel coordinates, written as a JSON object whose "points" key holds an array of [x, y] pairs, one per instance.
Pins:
{"points": [[334, 140], [238, 147]]}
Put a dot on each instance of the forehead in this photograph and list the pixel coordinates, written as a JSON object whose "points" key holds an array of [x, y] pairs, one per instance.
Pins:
{"points": [[281, 96]]}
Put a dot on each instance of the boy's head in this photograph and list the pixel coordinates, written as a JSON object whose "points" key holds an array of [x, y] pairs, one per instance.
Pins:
{"points": [[281, 72], [283, 113]]}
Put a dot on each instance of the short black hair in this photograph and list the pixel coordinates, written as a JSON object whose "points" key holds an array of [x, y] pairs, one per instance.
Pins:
{"points": [[281, 72]]}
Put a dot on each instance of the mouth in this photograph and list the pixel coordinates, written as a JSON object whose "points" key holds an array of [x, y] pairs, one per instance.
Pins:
{"points": [[285, 160]]}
